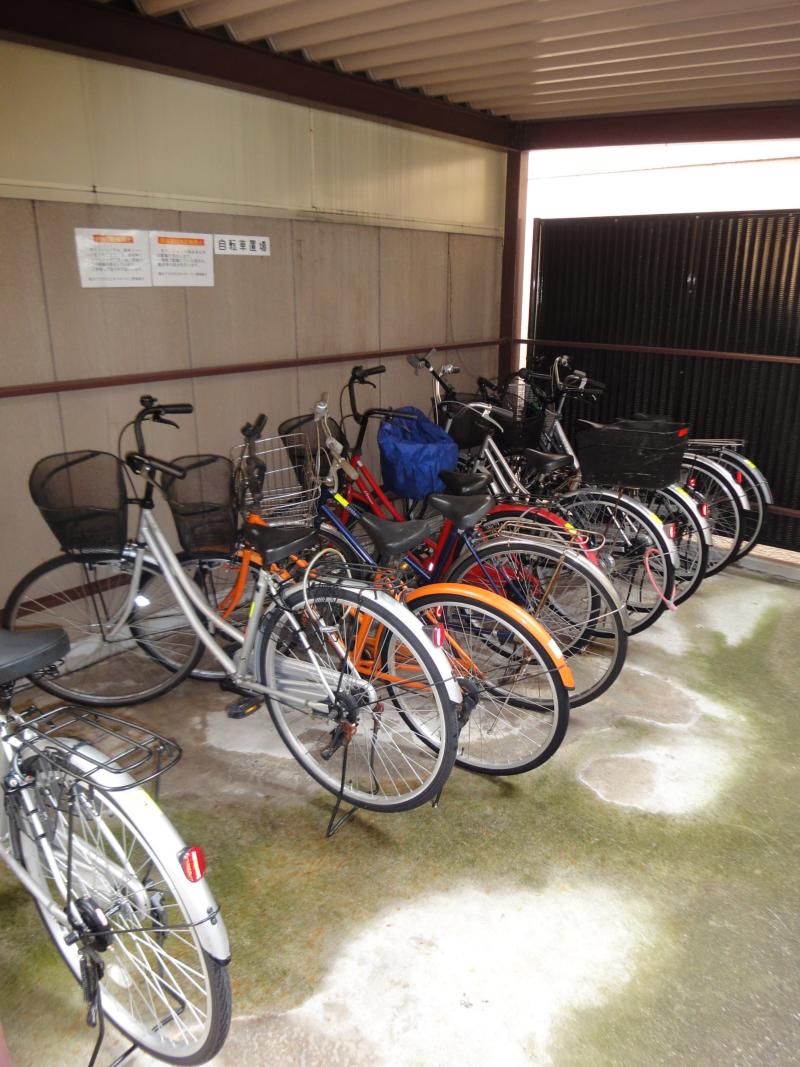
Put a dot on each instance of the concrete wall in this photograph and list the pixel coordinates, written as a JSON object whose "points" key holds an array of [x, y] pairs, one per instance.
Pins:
{"points": [[381, 238]]}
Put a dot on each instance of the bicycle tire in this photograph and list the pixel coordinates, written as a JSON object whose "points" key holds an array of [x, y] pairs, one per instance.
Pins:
{"points": [[394, 770], [566, 595], [521, 705], [154, 652], [754, 484], [713, 484], [156, 958], [632, 546], [675, 507]]}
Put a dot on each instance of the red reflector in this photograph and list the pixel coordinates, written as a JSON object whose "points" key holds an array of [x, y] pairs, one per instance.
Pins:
{"points": [[692, 482], [705, 509], [683, 431], [672, 530], [438, 611], [193, 863], [438, 635], [739, 477]]}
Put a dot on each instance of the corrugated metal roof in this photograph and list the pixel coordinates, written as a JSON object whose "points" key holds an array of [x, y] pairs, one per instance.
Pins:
{"points": [[534, 59]]}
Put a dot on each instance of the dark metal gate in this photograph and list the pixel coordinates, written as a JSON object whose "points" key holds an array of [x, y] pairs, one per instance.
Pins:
{"points": [[692, 316]]}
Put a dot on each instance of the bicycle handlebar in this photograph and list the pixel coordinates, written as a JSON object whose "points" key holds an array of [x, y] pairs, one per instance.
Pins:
{"points": [[140, 463], [252, 430]]}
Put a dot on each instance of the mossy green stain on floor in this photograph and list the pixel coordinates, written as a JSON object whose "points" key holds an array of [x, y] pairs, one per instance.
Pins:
{"points": [[718, 983]]}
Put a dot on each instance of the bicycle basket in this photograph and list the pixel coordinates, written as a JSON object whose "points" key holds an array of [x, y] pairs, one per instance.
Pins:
{"points": [[624, 454], [202, 503], [307, 427], [413, 453], [82, 498], [278, 478]]}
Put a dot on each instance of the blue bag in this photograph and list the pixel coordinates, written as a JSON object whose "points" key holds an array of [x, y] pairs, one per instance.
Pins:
{"points": [[412, 454]]}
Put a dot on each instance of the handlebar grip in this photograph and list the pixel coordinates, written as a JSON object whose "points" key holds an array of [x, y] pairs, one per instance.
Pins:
{"points": [[251, 430], [138, 462], [176, 409], [380, 369]]}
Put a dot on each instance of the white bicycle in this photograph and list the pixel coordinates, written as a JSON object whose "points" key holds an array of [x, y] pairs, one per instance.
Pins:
{"points": [[120, 894]]}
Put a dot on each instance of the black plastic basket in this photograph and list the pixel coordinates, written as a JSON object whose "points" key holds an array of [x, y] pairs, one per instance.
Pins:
{"points": [[202, 503], [468, 428], [307, 428], [83, 499], [631, 453]]}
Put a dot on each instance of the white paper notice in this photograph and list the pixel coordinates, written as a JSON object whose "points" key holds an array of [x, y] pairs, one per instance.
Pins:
{"points": [[181, 258], [235, 244], [113, 259]]}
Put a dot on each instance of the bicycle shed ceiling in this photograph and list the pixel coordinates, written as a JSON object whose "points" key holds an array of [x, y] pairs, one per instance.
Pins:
{"points": [[519, 74]]}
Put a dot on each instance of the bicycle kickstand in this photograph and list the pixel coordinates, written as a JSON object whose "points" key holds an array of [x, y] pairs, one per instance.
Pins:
{"points": [[95, 1016], [334, 823]]}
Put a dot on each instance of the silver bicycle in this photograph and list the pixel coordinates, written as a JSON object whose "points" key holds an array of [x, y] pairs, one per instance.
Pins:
{"points": [[120, 894], [345, 670]]}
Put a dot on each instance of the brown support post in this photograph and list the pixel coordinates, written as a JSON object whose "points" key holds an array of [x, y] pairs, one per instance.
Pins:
{"points": [[513, 250]]}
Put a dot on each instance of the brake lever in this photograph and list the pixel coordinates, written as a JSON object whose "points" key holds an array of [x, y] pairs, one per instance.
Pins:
{"points": [[166, 422]]}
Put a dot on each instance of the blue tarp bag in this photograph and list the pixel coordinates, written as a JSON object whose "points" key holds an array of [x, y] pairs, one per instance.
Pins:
{"points": [[412, 454]]}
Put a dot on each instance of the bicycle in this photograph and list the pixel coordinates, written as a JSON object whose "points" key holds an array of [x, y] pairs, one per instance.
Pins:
{"points": [[565, 594], [628, 540], [122, 897], [727, 452], [343, 718]]}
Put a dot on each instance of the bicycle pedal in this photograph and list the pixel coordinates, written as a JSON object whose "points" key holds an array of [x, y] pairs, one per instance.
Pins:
{"points": [[240, 709]]}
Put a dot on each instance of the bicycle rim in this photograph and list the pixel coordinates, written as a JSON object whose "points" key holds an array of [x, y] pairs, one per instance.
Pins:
{"points": [[387, 675]]}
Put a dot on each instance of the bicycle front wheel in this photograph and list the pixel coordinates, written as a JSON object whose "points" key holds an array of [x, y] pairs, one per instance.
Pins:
{"points": [[154, 649], [361, 664], [518, 704], [160, 986]]}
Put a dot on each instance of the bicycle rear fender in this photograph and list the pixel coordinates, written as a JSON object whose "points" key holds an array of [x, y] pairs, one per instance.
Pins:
{"points": [[196, 897], [500, 603]]}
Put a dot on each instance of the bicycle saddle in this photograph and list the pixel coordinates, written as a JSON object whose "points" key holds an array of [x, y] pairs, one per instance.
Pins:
{"points": [[24, 651], [276, 543], [464, 483], [395, 538], [546, 462], [462, 511]]}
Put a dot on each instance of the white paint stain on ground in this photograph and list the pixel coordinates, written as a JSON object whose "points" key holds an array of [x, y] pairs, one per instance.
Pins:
{"points": [[678, 778], [254, 735], [475, 977]]}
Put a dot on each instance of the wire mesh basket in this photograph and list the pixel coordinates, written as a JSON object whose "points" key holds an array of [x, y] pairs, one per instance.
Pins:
{"points": [[278, 478], [113, 753], [202, 503], [82, 498]]}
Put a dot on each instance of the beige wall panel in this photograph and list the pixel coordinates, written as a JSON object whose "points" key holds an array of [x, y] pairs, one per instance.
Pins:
{"points": [[366, 168], [25, 354], [98, 332], [413, 272], [43, 127], [474, 287], [400, 385], [225, 404], [336, 288], [248, 316], [30, 428]]}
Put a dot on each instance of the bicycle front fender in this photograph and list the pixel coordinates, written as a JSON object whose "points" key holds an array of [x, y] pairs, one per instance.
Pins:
{"points": [[503, 606]]}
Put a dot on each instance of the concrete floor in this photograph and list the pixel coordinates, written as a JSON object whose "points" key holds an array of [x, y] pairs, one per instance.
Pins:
{"points": [[634, 902]]}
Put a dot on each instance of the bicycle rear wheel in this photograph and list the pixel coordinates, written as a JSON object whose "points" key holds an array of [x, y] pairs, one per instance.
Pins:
{"points": [[566, 595], [365, 664], [631, 545], [154, 650], [520, 706], [713, 485], [161, 986], [752, 482], [678, 510]]}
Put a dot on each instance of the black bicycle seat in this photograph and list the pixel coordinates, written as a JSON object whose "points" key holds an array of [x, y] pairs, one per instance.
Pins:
{"points": [[464, 483], [546, 462], [276, 543], [24, 651], [462, 511], [395, 538]]}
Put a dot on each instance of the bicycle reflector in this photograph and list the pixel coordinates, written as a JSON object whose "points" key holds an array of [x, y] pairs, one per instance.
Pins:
{"points": [[705, 509], [436, 634], [692, 482], [671, 530], [684, 430], [193, 863], [739, 477]]}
